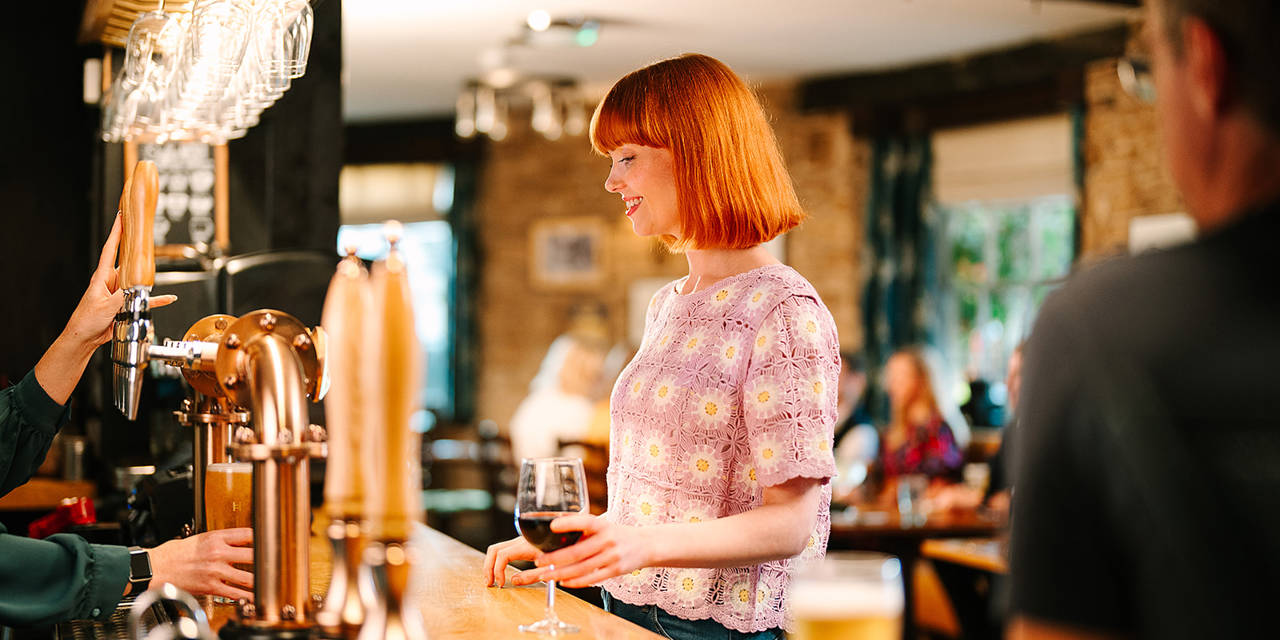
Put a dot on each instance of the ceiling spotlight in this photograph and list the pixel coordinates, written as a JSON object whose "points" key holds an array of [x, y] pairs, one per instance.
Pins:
{"points": [[539, 20]]}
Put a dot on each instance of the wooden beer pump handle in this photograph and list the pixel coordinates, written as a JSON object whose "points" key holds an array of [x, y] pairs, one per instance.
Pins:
{"points": [[346, 306], [137, 258], [398, 360]]}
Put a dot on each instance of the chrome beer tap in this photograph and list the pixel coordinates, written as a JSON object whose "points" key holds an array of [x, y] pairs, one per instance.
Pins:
{"points": [[132, 331]]}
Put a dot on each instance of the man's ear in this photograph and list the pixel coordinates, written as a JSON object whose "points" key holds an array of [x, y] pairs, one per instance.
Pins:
{"points": [[1206, 64]]}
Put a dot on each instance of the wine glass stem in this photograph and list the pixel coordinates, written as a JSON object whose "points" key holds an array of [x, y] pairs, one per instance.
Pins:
{"points": [[551, 596]]}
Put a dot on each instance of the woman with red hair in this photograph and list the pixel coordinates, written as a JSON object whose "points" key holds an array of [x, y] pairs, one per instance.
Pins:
{"points": [[721, 425], [918, 440]]}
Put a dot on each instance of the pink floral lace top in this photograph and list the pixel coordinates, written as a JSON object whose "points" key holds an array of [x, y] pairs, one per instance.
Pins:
{"points": [[733, 389]]}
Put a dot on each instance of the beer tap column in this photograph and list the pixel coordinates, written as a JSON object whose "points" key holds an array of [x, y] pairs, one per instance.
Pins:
{"points": [[269, 362], [394, 460], [211, 416], [346, 306]]}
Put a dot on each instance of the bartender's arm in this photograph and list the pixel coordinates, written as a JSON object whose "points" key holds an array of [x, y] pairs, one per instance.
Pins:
{"points": [[65, 577]]}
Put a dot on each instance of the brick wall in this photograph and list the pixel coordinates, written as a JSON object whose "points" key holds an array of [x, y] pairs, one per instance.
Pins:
{"points": [[527, 179], [1125, 172]]}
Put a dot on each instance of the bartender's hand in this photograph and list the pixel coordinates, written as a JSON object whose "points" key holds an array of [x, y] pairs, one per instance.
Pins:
{"points": [[499, 555], [90, 323], [89, 327], [202, 564]]}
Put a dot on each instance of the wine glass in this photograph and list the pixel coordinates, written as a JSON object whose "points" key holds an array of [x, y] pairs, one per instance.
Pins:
{"points": [[549, 488]]}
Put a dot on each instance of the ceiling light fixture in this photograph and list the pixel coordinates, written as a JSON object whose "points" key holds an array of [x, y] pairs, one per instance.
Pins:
{"points": [[556, 106]]}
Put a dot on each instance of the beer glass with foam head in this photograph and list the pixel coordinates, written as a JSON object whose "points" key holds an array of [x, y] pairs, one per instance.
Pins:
{"points": [[228, 495], [847, 595], [228, 500]]}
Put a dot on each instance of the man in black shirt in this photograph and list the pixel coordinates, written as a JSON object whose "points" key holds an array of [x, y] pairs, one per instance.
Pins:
{"points": [[1147, 500]]}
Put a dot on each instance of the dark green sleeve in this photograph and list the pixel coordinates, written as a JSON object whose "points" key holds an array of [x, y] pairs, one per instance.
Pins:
{"points": [[60, 578], [29, 419]]}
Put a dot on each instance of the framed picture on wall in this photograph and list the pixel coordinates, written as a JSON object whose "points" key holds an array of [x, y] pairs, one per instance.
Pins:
{"points": [[568, 253]]}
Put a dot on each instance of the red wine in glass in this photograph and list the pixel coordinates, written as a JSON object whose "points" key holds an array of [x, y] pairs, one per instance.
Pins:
{"points": [[536, 528], [549, 488]]}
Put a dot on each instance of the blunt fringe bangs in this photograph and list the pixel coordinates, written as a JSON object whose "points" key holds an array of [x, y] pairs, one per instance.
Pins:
{"points": [[732, 187]]}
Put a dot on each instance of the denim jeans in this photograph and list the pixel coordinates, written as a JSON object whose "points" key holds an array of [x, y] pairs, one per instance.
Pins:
{"points": [[654, 619]]}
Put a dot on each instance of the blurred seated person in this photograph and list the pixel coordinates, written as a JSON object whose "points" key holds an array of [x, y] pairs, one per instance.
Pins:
{"points": [[918, 439], [562, 397], [996, 495], [857, 441]]}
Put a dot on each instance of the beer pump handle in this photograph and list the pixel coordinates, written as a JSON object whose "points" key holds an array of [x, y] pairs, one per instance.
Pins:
{"points": [[346, 305], [138, 210], [398, 369]]}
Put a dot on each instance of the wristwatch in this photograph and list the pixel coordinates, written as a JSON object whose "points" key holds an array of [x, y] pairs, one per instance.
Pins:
{"points": [[139, 570]]}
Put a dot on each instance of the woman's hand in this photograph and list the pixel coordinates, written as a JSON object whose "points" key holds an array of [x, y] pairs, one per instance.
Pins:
{"points": [[500, 554], [605, 550], [64, 361], [203, 563], [90, 323]]}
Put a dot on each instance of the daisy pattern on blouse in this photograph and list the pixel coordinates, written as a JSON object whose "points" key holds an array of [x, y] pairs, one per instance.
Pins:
{"points": [[723, 297], [664, 392], [738, 395], [704, 465], [757, 298], [731, 353], [693, 342], [764, 398], [713, 410], [689, 585]]}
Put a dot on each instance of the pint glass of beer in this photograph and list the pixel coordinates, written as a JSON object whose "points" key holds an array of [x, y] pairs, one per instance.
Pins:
{"points": [[847, 595], [228, 495]]}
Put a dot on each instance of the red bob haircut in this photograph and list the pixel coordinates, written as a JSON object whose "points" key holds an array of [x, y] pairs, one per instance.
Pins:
{"points": [[732, 188]]}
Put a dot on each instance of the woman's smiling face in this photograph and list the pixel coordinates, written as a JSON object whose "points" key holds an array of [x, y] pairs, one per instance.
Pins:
{"points": [[645, 178]]}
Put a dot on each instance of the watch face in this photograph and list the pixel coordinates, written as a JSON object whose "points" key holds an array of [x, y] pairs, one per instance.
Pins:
{"points": [[139, 564]]}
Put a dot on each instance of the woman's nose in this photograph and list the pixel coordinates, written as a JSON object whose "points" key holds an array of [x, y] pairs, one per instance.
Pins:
{"points": [[611, 183]]}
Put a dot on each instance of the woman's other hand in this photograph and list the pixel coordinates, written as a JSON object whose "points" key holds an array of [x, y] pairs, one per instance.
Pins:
{"points": [[204, 563], [500, 554], [605, 550]]}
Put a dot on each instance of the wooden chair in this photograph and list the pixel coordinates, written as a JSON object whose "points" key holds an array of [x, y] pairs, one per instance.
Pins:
{"points": [[595, 462], [469, 480]]}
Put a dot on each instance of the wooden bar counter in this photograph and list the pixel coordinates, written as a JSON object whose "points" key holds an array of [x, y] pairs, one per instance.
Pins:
{"points": [[449, 589]]}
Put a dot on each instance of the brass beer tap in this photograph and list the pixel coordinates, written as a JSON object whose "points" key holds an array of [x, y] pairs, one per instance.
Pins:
{"points": [[251, 378]]}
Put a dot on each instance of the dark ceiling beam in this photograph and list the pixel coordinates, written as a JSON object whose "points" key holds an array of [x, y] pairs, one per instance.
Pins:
{"points": [[426, 140], [1032, 77], [1118, 3]]}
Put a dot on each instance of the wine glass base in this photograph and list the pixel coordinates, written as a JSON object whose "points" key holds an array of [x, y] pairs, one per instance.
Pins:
{"points": [[549, 627]]}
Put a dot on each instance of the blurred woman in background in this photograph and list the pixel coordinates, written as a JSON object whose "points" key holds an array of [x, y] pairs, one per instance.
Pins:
{"points": [[918, 439]]}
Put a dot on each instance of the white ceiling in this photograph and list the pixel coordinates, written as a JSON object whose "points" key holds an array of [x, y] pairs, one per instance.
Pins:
{"points": [[408, 58]]}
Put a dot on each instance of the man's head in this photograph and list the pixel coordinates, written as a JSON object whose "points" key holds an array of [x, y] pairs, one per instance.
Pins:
{"points": [[1214, 64]]}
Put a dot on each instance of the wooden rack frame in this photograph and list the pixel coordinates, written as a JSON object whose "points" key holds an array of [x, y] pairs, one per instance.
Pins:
{"points": [[108, 21]]}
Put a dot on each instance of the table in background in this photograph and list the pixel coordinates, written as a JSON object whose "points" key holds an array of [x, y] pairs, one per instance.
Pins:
{"points": [[984, 554], [885, 531], [44, 494]]}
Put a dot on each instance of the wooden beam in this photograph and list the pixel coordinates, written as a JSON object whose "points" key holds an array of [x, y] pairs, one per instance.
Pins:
{"points": [[408, 141], [1043, 68]]}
